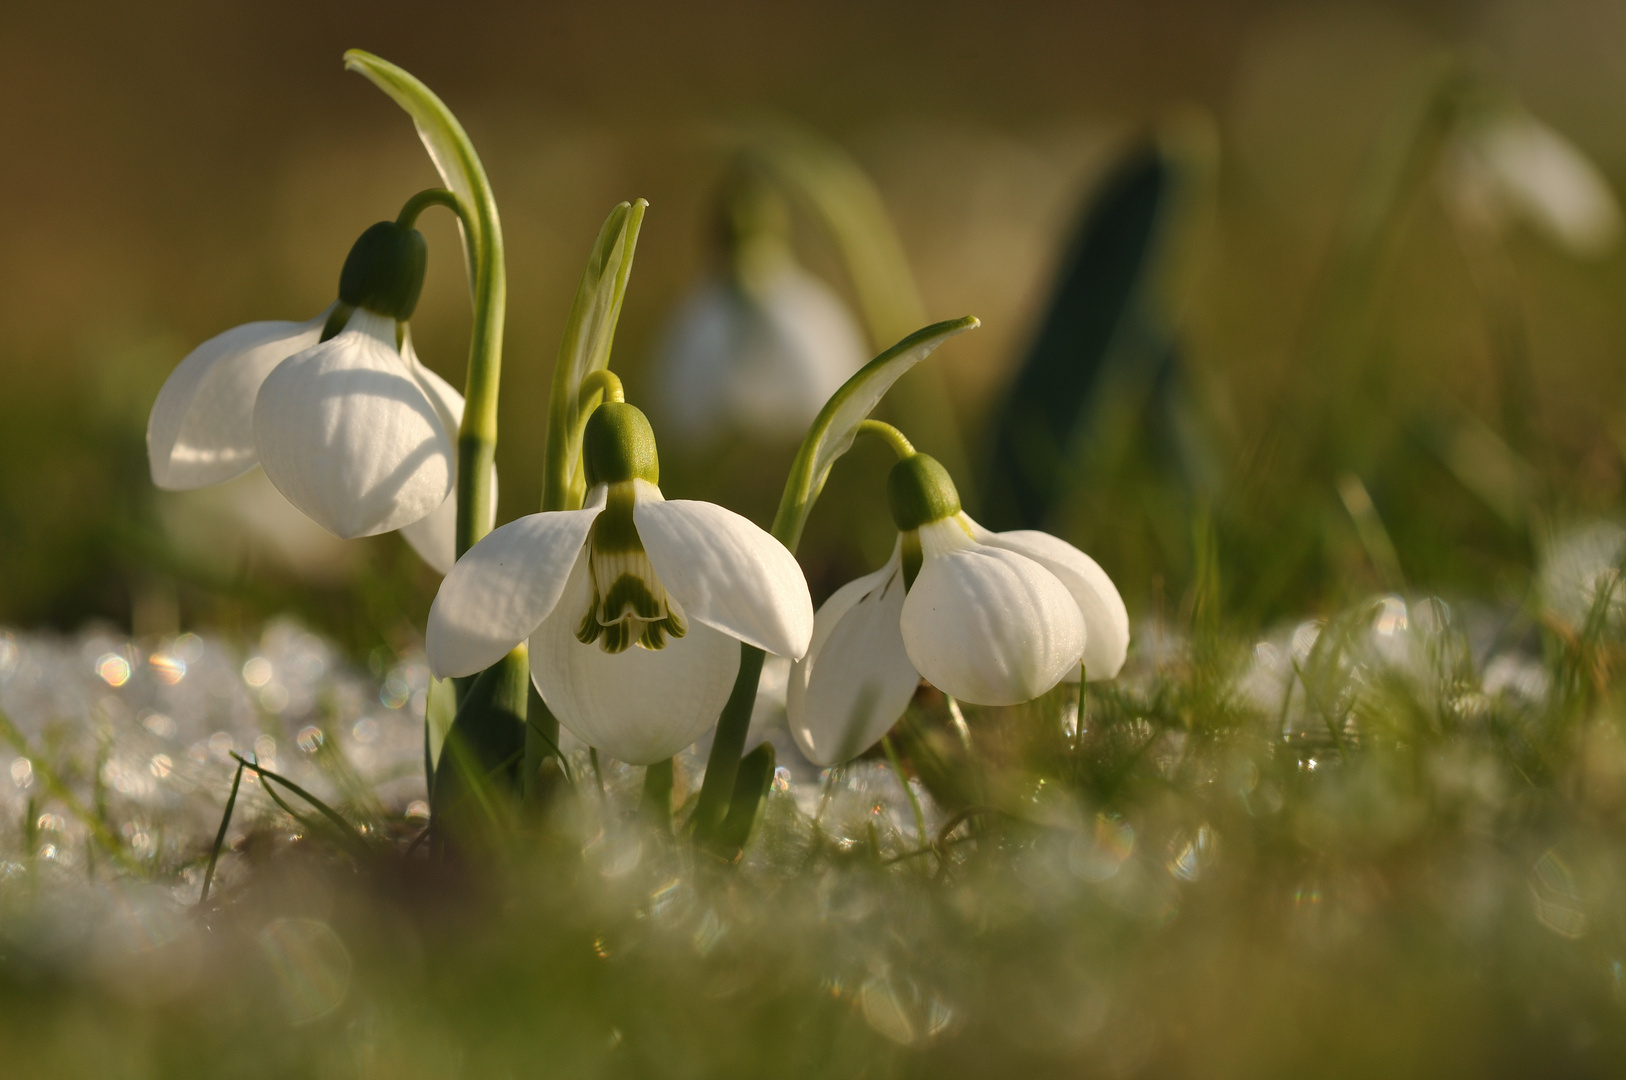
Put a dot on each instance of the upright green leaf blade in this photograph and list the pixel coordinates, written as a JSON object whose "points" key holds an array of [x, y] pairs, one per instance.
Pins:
{"points": [[479, 765], [1101, 281], [448, 145], [836, 426], [589, 335]]}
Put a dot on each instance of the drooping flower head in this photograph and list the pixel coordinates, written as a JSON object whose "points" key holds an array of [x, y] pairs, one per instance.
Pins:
{"points": [[1504, 163], [759, 348], [635, 605], [991, 618], [346, 421]]}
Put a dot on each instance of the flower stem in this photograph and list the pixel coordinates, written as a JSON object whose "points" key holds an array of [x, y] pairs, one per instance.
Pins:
{"points": [[423, 200], [723, 764], [603, 381], [477, 440], [657, 803], [829, 437], [894, 438], [477, 437]]}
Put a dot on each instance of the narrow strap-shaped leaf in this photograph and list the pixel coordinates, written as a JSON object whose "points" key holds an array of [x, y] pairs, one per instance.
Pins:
{"points": [[220, 837], [751, 785], [657, 800], [1099, 283], [439, 712], [484, 747], [445, 140], [836, 426], [585, 348]]}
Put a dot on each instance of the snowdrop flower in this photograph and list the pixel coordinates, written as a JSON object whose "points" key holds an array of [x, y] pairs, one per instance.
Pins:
{"points": [[1511, 164], [635, 606], [350, 427], [760, 350], [991, 618]]}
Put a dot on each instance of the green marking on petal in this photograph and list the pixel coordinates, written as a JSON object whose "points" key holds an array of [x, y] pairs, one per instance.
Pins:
{"points": [[912, 557], [630, 605]]}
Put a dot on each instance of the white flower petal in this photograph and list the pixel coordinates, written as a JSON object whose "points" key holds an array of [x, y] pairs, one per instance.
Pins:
{"points": [[990, 626], [727, 572], [856, 679], [346, 434], [1552, 182], [434, 538], [503, 587], [201, 430], [442, 395], [1106, 621], [640, 705]]}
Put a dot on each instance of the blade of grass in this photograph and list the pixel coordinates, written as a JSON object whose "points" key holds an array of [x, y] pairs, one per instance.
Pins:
{"points": [[345, 828], [908, 790], [220, 837], [98, 829]]}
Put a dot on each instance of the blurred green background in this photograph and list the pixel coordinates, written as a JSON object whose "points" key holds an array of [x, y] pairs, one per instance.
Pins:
{"points": [[177, 169]]}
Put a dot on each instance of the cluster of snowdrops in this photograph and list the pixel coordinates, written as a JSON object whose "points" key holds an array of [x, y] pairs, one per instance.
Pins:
{"points": [[638, 616]]}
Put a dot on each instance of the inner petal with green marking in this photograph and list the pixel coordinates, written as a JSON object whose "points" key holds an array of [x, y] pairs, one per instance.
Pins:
{"points": [[630, 605]]}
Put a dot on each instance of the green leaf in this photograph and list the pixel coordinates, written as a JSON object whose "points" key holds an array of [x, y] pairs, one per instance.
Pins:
{"points": [[836, 426], [751, 785], [483, 749], [1099, 286], [448, 145], [438, 715], [589, 335]]}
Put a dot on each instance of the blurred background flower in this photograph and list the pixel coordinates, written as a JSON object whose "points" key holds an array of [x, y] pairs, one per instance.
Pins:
{"points": [[1325, 286]]}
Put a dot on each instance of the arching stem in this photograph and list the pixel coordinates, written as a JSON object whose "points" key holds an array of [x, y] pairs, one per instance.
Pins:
{"points": [[890, 435]]}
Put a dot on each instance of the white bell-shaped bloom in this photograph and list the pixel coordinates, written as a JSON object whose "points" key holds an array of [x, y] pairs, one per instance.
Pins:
{"points": [[201, 430], [635, 607], [1510, 164], [346, 432], [991, 618], [761, 361], [353, 431]]}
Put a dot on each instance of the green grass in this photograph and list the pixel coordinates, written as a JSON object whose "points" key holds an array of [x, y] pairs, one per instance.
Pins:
{"points": [[1351, 857]]}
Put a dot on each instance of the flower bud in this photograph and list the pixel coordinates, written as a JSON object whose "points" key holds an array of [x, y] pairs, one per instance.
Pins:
{"points": [[384, 270], [618, 445], [919, 492]]}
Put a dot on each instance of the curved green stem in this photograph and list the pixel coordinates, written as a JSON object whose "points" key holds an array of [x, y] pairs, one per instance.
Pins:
{"points": [[604, 381], [426, 198], [890, 435]]}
